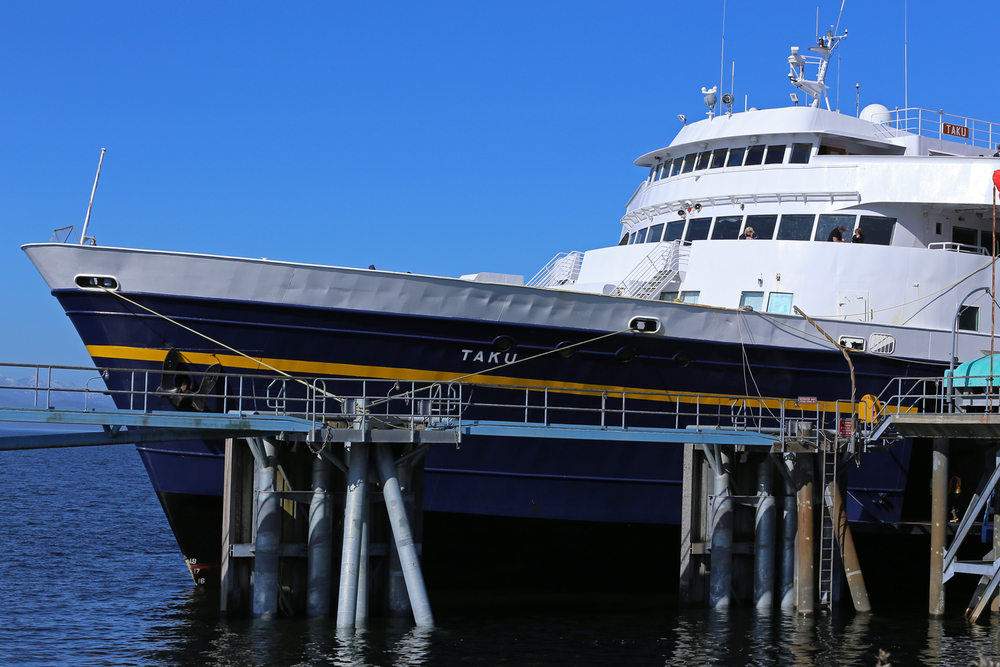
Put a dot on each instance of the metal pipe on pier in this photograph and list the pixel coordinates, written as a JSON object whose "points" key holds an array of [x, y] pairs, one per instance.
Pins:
{"points": [[361, 614], [939, 524], [398, 600], [267, 545], [764, 529], [403, 536], [789, 524], [806, 592], [320, 542], [848, 555], [357, 476], [721, 576]]}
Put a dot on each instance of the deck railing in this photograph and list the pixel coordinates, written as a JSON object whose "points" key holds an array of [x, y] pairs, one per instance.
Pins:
{"points": [[941, 125]]}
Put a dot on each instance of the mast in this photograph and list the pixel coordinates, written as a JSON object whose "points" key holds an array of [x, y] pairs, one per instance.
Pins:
{"points": [[86, 221]]}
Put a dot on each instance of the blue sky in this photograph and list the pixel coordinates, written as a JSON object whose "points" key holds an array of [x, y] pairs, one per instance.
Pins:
{"points": [[433, 137]]}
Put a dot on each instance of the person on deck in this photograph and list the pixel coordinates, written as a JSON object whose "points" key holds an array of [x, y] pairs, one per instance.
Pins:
{"points": [[858, 237], [837, 234], [748, 234]]}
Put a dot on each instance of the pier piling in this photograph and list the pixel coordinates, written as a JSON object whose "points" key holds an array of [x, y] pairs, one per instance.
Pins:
{"points": [[721, 577], [320, 541], [939, 523], [347, 600], [789, 527], [268, 538], [764, 531], [804, 581]]}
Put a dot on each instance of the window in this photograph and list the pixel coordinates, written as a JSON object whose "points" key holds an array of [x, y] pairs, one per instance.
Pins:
{"points": [[779, 302], [736, 157], [800, 154], [753, 299], [877, 230], [754, 156], [640, 236], [662, 171], [718, 158], [727, 227], [655, 232], [690, 297], [796, 227], [827, 223], [652, 174], [698, 229], [763, 225], [703, 160], [960, 235], [676, 168], [775, 154], [631, 239], [968, 318], [675, 230], [689, 163], [624, 240], [669, 296]]}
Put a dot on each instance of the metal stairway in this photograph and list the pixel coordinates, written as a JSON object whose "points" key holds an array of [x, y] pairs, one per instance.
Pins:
{"points": [[654, 271]]}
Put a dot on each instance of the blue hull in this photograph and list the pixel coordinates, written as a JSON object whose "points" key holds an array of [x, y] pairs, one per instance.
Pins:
{"points": [[637, 483]]}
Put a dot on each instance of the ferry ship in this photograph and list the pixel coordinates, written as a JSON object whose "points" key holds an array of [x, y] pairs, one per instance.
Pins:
{"points": [[879, 227]]}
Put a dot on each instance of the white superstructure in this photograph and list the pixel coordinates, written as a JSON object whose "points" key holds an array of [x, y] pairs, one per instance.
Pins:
{"points": [[916, 183]]}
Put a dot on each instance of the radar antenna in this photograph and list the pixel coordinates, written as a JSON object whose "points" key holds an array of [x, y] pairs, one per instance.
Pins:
{"points": [[797, 67]]}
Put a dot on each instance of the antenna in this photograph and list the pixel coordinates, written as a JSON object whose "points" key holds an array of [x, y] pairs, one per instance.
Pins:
{"points": [[86, 221], [906, 77], [722, 58]]}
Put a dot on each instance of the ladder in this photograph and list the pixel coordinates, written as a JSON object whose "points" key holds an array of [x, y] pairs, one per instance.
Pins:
{"points": [[828, 542]]}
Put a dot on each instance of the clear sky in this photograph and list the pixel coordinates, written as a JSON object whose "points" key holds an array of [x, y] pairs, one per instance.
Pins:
{"points": [[432, 137]]}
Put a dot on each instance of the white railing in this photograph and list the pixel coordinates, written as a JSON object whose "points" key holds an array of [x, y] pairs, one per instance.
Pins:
{"points": [[959, 247], [654, 270], [941, 125], [562, 269]]}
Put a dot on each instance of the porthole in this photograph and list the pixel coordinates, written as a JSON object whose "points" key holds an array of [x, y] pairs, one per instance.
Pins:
{"points": [[681, 359], [504, 343], [625, 354], [97, 282], [566, 349]]}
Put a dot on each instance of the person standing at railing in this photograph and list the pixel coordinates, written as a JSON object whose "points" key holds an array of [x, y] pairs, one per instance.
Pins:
{"points": [[858, 237], [748, 234]]}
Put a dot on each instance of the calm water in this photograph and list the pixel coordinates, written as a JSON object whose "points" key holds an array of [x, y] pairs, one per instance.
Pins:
{"points": [[90, 575]]}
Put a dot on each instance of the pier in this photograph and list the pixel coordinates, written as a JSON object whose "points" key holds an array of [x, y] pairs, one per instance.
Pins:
{"points": [[322, 510]]}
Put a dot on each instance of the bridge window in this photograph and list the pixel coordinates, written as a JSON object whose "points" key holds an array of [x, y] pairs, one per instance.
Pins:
{"points": [[754, 156], [800, 154], [827, 223], [775, 154], [655, 232], [676, 168], [662, 171], [675, 230], [631, 239], [640, 236], [727, 227], [968, 318], [703, 160], [779, 302], [624, 240], [698, 229], [753, 299], [719, 158], [689, 163], [877, 229], [690, 297], [796, 227], [763, 225], [736, 157]]}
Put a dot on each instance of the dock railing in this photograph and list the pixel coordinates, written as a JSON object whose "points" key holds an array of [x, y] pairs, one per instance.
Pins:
{"points": [[336, 402]]}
